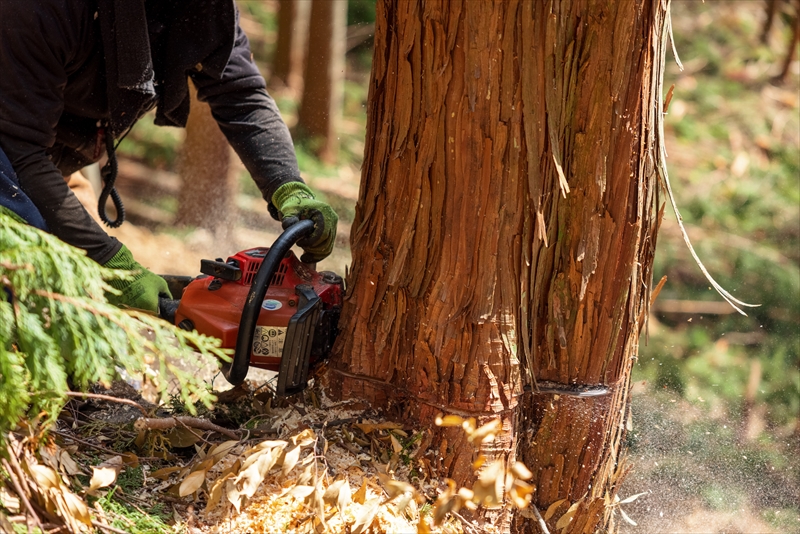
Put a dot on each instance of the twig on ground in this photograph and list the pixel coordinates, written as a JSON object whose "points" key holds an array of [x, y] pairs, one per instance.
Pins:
{"points": [[158, 423], [467, 525], [107, 528], [18, 488], [108, 398], [335, 422], [539, 517], [101, 448], [195, 434], [299, 409]]}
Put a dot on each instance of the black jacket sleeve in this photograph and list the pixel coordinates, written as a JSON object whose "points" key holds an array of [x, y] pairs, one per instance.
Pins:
{"points": [[37, 45], [250, 119]]}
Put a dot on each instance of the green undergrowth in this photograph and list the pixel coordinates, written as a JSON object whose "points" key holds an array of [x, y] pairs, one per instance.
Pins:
{"points": [[58, 332], [135, 520], [734, 145], [715, 414]]}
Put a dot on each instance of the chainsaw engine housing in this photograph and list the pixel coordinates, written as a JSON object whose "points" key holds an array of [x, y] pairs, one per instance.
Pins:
{"points": [[297, 323]]}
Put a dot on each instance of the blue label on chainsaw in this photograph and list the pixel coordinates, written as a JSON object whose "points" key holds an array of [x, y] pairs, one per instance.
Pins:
{"points": [[270, 304]]}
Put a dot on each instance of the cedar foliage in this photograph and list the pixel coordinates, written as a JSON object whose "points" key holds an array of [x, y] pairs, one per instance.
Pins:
{"points": [[57, 330]]}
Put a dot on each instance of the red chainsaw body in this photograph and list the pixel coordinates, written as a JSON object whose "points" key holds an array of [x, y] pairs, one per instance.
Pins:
{"points": [[214, 306]]}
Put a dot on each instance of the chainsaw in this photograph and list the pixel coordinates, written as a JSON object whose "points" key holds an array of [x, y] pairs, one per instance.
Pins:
{"points": [[274, 311]]}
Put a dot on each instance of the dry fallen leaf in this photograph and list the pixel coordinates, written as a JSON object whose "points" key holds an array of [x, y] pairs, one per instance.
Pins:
{"points": [[77, 508], [553, 508], [163, 474], [233, 494], [632, 498], [521, 471], [446, 502], [344, 499], [361, 495], [44, 477], [304, 438], [490, 486], [301, 492], [567, 517], [68, 464], [215, 495], [627, 518], [396, 447], [10, 502], [364, 520], [219, 451], [252, 477], [101, 478], [331, 494], [290, 459], [521, 493], [192, 483], [485, 433], [422, 526], [366, 428]]}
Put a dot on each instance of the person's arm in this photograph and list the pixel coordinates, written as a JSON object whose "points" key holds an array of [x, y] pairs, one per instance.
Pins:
{"points": [[251, 122], [250, 119], [65, 216], [33, 66], [36, 43]]}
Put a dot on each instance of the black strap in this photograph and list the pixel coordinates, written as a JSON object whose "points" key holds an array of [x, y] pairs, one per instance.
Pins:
{"points": [[109, 174]]}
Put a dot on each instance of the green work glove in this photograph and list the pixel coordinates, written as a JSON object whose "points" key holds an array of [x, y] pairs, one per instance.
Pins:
{"points": [[142, 290], [295, 202]]}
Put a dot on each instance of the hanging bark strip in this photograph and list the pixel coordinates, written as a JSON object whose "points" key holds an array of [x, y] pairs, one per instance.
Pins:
{"points": [[505, 231]]}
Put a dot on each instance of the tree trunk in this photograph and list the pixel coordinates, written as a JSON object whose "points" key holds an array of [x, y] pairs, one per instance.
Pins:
{"points": [[505, 232], [321, 107], [207, 198], [287, 63]]}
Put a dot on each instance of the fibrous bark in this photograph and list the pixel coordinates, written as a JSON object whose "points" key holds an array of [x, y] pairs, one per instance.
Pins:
{"points": [[505, 231]]}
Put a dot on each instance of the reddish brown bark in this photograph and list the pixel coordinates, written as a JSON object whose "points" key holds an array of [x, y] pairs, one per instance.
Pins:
{"points": [[505, 230]]}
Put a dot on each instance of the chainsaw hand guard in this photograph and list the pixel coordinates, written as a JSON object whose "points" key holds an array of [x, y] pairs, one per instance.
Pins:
{"points": [[237, 371]]}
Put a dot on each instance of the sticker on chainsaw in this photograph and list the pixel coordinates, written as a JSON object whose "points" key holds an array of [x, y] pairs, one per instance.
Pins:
{"points": [[270, 304], [268, 341]]}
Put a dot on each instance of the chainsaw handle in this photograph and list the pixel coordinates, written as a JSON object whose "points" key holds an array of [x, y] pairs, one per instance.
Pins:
{"points": [[237, 371]]}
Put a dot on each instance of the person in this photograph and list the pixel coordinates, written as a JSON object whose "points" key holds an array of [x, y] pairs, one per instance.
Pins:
{"points": [[77, 74]]}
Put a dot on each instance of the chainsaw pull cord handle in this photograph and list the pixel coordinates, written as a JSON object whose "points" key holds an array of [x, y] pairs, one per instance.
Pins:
{"points": [[109, 174], [237, 371]]}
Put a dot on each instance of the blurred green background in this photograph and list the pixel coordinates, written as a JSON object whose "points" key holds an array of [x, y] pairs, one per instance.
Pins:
{"points": [[715, 436]]}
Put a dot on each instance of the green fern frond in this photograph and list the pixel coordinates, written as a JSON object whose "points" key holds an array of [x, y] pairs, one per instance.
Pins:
{"points": [[57, 328]]}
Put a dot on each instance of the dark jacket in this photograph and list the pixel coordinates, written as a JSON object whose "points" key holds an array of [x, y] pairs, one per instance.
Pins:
{"points": [[70, 67]]}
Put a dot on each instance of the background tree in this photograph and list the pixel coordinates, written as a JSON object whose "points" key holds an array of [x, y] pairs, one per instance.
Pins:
{"points": [[321, 106], [210, 185], [505, 232], [287, 62]]}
